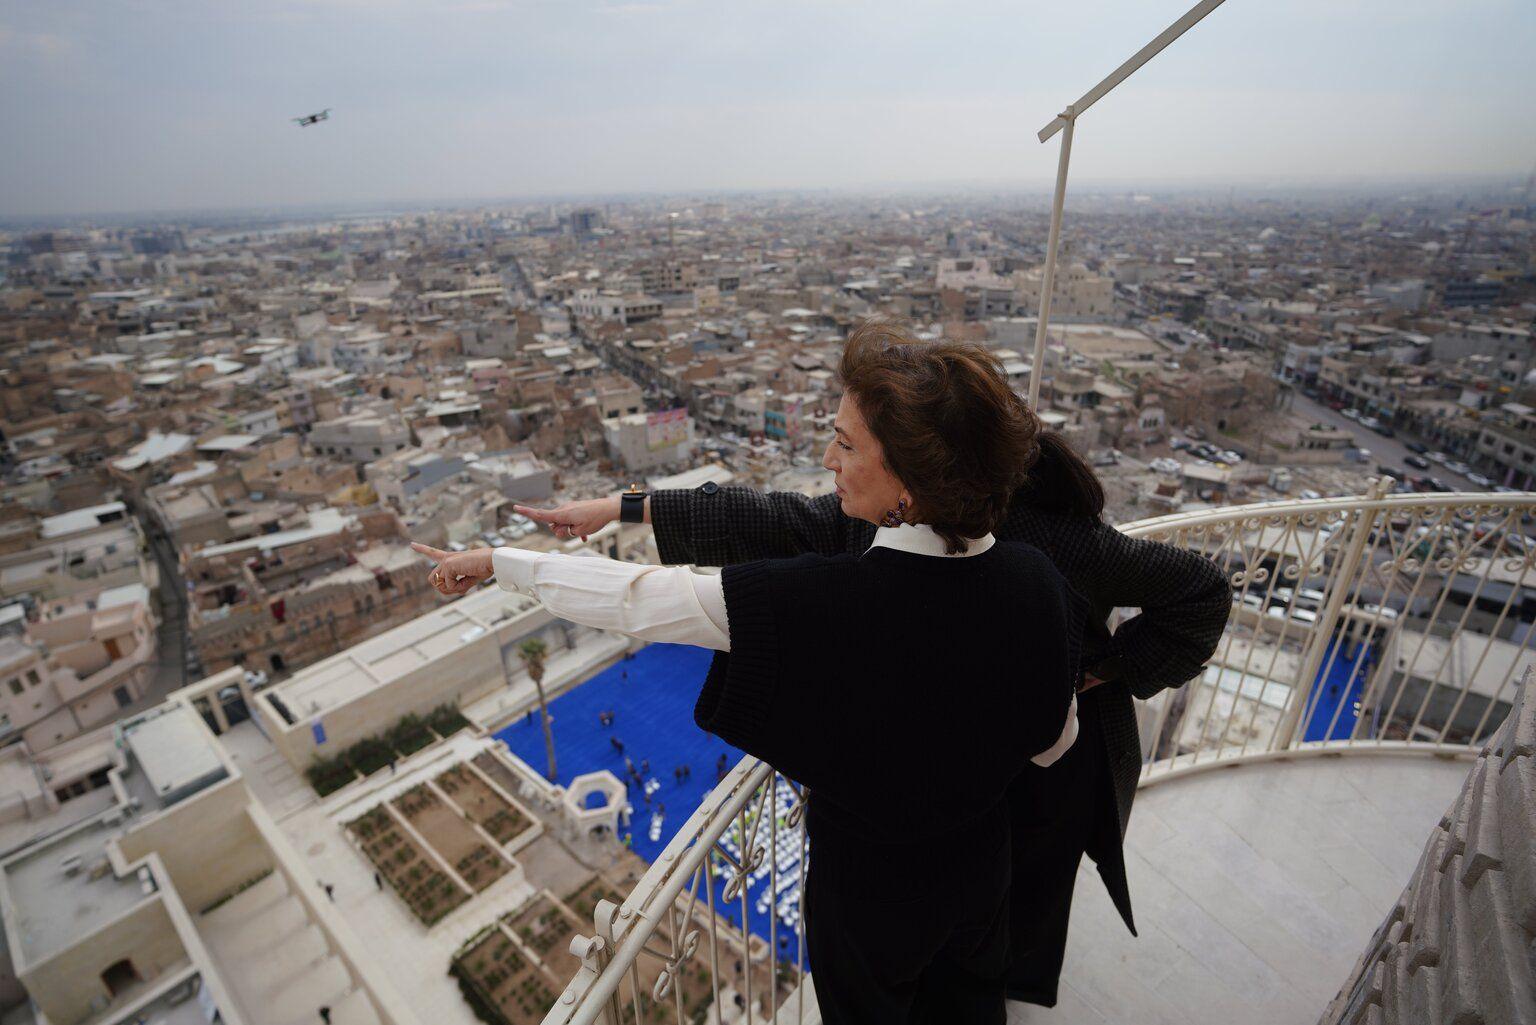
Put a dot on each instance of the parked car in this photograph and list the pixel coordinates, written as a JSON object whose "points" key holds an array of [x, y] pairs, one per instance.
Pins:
{"points": [[1390, 471], [1309, 495], [1480, 480], [1505, 489], [1385, 430], [1436, 484], [1414, 446], [1417, 462], [1300, 615], [1179, 444], [1369, 422], [1457, 466], [1439, 457], [1309, 597], [1351, 414], [1166, 465]]}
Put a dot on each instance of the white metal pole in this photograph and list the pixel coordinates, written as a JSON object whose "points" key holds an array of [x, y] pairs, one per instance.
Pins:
{"points": [[1048, 282], [1066, 120], [1124, 71]]}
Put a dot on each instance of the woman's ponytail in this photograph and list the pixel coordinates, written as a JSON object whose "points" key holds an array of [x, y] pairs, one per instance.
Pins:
{"points": [[1061, 481]]}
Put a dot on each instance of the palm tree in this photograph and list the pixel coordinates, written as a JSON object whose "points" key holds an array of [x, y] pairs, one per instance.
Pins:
{"points": [[532, 652]]}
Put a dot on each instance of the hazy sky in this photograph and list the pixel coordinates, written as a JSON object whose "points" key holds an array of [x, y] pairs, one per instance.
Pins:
{"points": [[160, 104]]}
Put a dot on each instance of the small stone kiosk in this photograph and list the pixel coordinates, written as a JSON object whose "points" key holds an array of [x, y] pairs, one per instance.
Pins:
{"points": [[583, 815]]}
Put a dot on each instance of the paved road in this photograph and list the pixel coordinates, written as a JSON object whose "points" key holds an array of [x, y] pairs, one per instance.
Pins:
{"points": [[1386, 451], [171, 670]]}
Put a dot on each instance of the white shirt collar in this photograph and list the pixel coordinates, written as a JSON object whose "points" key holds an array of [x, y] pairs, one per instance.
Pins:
{"points": [[921, 539]]}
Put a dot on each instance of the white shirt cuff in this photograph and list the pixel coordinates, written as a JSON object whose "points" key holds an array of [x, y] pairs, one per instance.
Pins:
{"points": [[514, 569], [1064, 742]]}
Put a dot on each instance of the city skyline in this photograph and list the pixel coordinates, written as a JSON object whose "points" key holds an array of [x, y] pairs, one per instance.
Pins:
{"points": [[168, 107]]}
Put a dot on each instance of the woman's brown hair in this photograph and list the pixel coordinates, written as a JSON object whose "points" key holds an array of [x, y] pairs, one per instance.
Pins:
{"points": [[960, 439], [948, 424]]}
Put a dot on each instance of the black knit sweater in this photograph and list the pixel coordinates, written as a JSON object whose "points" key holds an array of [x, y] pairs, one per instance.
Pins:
{"points": [[854, 675]]}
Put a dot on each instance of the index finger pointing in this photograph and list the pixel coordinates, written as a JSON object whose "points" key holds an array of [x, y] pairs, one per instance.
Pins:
{"points": [[435, 554]]}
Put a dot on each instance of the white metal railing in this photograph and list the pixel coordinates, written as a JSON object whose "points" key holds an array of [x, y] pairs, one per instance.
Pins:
{"points": [[1386, 622], [1378, 623]]}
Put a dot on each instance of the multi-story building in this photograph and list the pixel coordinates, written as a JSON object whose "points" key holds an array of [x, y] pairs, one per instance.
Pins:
{"points": [[1078, 293], [634, 308], [361, 436], [78, 662], [644, 441], [1507, 446], [281, 600]]}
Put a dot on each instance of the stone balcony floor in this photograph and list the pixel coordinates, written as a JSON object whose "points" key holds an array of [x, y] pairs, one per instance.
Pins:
{"points": [[1255, 890]]}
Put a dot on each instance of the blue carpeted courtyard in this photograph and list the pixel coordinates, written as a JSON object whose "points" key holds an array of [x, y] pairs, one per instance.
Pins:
{"points": [[1340, 682], [651, 697]]}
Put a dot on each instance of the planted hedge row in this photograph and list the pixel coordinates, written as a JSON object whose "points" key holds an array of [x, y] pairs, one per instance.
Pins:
{"points": [[369, 755]]}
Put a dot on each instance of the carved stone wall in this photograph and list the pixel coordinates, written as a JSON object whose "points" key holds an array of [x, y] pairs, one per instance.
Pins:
{"points": [[1459, 946]]}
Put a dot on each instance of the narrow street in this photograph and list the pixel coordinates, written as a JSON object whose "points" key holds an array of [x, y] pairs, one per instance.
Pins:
{"points": [[1384, 451], [172, 670]]}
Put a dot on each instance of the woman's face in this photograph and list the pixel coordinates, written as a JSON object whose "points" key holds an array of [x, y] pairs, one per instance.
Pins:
{"points": [[866, 488]]}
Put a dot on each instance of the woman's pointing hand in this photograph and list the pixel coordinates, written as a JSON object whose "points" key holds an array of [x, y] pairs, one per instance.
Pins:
{"points": [[457, 572], [575, 519]]}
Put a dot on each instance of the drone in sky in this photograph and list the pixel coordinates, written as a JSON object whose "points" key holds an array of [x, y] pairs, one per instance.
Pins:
{"points": [[309, 119]]}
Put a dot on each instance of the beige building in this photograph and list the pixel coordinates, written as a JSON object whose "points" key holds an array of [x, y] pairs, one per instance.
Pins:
{"points": [[277, 601], [116, 913], [360, 437], [630, 308], [644, 441], [87, 550], [77, 665], [1077, 293]]}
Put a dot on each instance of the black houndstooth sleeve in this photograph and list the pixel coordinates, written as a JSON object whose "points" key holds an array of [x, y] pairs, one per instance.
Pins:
{"points": [[714, 526], [1184, 601]]}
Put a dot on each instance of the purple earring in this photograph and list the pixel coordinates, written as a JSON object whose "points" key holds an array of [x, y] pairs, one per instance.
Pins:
{"points": [[893, 517]]}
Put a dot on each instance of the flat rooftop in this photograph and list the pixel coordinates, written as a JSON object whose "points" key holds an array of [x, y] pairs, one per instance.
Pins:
{"points": [[53, 908], [344, 677], [174, 751], [82, 519], [322, 523]]}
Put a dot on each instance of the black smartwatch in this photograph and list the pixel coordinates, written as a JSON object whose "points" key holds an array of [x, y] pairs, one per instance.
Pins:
{"points": [[632, 505]]}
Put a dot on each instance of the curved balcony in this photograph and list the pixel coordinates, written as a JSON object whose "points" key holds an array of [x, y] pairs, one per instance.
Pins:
{"points": [[1391, 626]]}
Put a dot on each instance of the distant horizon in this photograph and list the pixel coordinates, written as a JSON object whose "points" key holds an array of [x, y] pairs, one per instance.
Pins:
{"points": [[1252, 188]]}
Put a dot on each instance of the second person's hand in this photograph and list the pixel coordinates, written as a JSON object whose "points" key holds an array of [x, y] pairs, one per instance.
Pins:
{"points": [[575, 519]]}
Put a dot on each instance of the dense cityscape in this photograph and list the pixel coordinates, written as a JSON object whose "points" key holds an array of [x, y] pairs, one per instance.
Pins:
{"points": [[222, 433]]}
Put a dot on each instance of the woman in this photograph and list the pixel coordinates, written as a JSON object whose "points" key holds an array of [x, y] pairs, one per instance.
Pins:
{"points": [[1184, 602], [857, 674]]}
